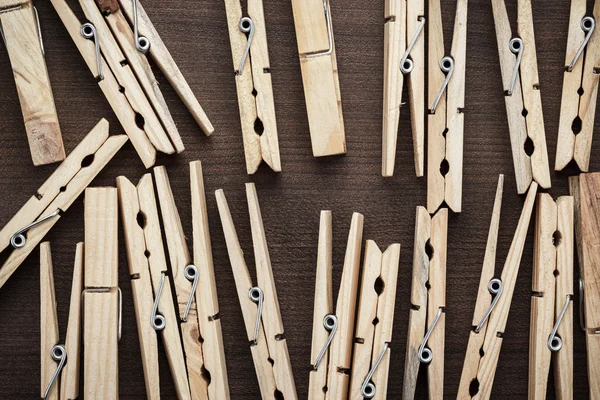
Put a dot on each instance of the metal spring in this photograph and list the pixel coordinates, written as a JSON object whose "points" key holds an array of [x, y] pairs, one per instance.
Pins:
{"points": [[495, 287], [588, 24], [516, 47], [406, 64], [330, 323], [158, 321], [246, 25], [18, 240], [142, 44], [555, 343], [368, 388], [256, 296], [425, 353], [329, 33], [58, 354], [447, 67], [191, 274], [88, 31]]}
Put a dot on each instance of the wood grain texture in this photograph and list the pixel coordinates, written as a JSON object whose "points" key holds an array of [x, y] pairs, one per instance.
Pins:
{"points": [[195, 31], [48, 323]]}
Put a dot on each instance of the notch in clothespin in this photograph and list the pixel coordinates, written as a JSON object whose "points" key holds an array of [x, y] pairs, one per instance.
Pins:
{"points": [[195, 288], [22, 36], [427, 320], [374, 323], [585, 189], [41, 212], [493, 303], [580, 88], [248, 36], [446, 117], [59, 362], [333, 332], [551, 333], [102, 300], [520, 82], [404, 55], [259, 304], [318, 63]]}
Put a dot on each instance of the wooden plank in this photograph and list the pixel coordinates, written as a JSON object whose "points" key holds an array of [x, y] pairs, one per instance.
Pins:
{"points": [[415, 9], [49, 323]]}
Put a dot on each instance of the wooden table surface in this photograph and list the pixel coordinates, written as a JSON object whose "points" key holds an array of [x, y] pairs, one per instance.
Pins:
{"points": [[196, 33]]}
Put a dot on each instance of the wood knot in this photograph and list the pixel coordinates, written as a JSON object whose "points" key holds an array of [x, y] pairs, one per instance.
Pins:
{"points": [[108, 6]]}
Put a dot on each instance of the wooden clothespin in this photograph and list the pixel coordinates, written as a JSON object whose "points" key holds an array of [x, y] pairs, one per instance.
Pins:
{"points": [[318, 63], [427, 320], [578, 107], [585, 189], [493, 303], [446, 118], [259, 304], [404, 54], [20, 28], [60, 363], [248, 36], [118, 82], [43, 210], [520, 82], [102, 303], [195, 287], [333, 333], [551, 334], [371, 359]]}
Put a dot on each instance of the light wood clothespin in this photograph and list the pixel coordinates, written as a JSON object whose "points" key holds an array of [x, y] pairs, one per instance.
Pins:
{"points": [[551, 332], [248, 36], [585, 189], [318, 63], [101, 297], [493, 303], [520, 82], [60, 363], [259, 304], [20, 28], [446, 118], [427, 320], [43, 210], [195, 288], [404, 54], [578, 107], [333, 333]]}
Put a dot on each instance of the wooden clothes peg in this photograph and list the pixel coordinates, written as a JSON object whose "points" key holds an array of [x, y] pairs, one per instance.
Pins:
{"points": [[20, 27], [333, 333], [404, 54], [446, 118], [578, 107], [551, 333], [43, 210], [259, 304], [427, 320], [520, 82], [60, 363], [318, 63], [195, 288], [253, 80], [101, 297], [585, 189], [493, 303]]}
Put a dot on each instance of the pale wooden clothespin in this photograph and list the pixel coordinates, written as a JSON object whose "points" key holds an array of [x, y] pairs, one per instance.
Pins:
{"points": [[520, 82], [446, 118], [551, 332], [427, 320], [404, 54], [318, 63], [60, 363], [259, 304], [20, 28], [585, 189], [580, 88], [248, 37], [493, 303], [195, 288], [101, 296], [43, 210]]}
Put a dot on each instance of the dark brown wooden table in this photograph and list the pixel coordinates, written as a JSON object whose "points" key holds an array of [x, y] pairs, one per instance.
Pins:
{"points": [[196, 33]]}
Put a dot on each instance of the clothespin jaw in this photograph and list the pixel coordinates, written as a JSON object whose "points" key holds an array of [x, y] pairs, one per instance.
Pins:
{"points": [[259, 304], [23, 39], [41, 212], [316, 47], [252, 68], [425, 341], [101, 297], [518, 65], [578, 107], [551, 334]]}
